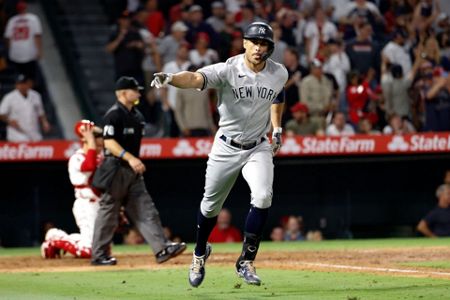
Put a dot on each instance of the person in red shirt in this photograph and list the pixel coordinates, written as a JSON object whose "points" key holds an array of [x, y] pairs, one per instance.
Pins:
{"points": [[224, 232], [155, 20]]}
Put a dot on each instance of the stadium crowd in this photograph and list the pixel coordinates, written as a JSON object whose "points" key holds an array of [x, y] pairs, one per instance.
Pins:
{"points": [[355, 66], [372, 67]]}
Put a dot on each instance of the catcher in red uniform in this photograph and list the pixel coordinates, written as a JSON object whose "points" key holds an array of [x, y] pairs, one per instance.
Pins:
{"points": [[82, 165]]}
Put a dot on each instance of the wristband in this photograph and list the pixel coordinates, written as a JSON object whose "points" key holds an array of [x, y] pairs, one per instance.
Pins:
{"points": [[277, 130], [121, 155]]}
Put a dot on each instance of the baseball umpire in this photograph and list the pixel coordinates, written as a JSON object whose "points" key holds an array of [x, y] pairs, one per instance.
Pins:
{"points": [[251, 97], [122, 132]]}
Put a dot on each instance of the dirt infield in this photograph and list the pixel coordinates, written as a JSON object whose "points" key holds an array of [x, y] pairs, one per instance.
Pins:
{"points": [[381, 261]]}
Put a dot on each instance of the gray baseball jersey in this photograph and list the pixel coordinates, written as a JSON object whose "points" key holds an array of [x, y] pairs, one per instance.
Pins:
{"points": [[245, 97]]}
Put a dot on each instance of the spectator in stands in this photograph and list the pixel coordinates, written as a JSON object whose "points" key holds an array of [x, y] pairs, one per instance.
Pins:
{"points": [[337, 63], [365, 11], [169, 45], [294, 229], [133, 237], [339, 126], [227, 36], [248, 16], [311, 6], [428, 47], [152, 60], [395, 86], [237, 44], [363, 51], [316, 92], [23, 112], [24, 39], [170, 236], [425, 13], [314, 236], [217, 18], [192, 112], [397, 125], [202, 55], [223, 231], [318, 32], [177, 10], [366, 127], [151, 108], [169, 93], [197, 24], [155, 19], [277, 234], [437, 222], [437, 103], [396, 51], [357, 97], [447, 177], [287, 19], [292, 88], [300, 124], [280, 46], [127, 46]]}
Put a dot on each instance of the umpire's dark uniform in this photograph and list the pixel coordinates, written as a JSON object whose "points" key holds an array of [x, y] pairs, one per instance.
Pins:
{"points": [[126, 127]]}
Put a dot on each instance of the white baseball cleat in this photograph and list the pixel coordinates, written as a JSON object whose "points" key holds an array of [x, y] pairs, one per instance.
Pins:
{"points": [[197, 269]]}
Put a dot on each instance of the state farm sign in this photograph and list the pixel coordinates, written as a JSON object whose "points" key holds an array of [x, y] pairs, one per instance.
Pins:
{"points": [[174, 148], [327, 145], [25, 152]]}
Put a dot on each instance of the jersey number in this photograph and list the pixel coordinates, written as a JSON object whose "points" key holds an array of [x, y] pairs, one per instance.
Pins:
{"points": [[21, 33]]}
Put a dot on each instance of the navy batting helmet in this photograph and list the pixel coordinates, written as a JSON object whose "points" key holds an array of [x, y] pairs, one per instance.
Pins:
{"points": [[260, 31]]}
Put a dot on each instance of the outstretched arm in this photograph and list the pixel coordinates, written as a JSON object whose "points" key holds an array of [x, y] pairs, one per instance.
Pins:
{"points": [[184, 80]]}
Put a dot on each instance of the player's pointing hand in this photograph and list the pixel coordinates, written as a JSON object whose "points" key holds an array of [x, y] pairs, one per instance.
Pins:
{"points": [[161, 79]]}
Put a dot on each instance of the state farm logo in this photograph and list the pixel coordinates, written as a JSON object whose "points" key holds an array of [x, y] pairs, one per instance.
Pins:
{"points": [[184, 148], [290, 146], [71, 149], [398, 143], [26, 152]]}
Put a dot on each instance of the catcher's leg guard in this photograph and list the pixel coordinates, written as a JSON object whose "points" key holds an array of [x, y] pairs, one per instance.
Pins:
{"points": [[72, 248], [48, 250]]}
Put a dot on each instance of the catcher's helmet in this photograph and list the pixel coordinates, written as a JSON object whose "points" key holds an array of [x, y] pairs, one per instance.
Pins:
{"points": [[260, 31], [86, 124]]}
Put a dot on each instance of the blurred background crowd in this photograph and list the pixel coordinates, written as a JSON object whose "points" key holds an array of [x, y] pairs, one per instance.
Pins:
{"points": [[361, 66]]}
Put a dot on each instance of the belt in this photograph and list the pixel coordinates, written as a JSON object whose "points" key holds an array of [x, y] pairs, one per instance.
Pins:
{"points": [[247, 146]]}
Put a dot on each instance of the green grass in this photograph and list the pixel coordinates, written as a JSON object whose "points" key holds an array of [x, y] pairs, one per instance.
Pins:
{"points": [[222, 283], [285, 246], [430, 264]]}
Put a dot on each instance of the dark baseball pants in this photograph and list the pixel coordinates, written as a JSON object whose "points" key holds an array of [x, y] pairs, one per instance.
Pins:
{"points": [[128, 189]]}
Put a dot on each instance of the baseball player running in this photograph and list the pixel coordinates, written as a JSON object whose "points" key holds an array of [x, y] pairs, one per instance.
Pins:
{"points": [[82, 165], [250, 89]]}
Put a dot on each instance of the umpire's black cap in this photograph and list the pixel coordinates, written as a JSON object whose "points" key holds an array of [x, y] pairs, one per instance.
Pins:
{"points": [[127, 83]]}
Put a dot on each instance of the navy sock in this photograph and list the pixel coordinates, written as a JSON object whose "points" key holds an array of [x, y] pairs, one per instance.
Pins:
{"points": [[254, 225], [204, 227], [256, 219]]}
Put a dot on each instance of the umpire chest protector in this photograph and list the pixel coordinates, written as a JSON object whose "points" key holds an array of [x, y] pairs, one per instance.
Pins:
{"points": [[125, 126]]}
